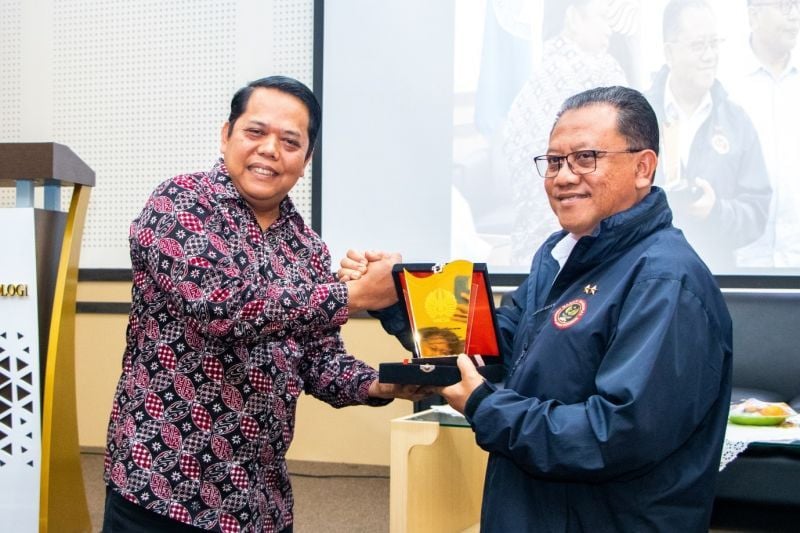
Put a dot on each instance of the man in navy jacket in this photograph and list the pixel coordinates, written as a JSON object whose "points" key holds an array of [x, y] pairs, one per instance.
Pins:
{"points": [[617, 346]]}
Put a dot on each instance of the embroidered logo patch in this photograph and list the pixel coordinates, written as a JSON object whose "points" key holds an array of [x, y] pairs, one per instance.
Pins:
{"points": [[569, 314], [720, 144]]}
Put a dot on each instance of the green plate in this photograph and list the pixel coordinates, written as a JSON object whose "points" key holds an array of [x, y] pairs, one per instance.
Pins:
{"points": [[757, 420]]}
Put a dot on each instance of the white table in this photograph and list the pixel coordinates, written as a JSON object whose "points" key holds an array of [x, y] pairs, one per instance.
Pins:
{"points": [[738, 438]]}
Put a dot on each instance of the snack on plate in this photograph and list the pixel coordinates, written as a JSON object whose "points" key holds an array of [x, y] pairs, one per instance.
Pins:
{"points": [[753, 412]]}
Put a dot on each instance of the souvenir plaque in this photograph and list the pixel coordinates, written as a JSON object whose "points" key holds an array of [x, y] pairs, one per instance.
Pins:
{"points": [[451, 311]]}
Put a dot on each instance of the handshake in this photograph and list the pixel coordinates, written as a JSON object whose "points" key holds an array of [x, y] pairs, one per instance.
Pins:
{"points": [[368, 276]]}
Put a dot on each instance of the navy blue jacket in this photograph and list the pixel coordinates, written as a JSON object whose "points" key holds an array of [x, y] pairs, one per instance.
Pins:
{"points": [[613, 414]]}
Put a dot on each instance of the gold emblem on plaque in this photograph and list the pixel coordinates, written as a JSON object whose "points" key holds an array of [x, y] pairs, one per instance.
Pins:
{"points": [[439, 306]]}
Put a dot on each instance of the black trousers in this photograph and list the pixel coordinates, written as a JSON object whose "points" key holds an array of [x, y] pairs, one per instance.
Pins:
{"points": [[122, 516]]}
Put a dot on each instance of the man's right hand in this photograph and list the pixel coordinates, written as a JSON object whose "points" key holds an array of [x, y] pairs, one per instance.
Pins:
{"points": [[354, 265], [368, 276]]}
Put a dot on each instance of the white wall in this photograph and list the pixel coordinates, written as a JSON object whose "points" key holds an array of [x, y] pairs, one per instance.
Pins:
{"points": [[139, 90]]}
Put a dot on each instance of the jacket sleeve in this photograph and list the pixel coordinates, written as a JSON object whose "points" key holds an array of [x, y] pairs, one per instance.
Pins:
{"points": [[659, 377], [395, 322], [742, 218], [221, 292]]}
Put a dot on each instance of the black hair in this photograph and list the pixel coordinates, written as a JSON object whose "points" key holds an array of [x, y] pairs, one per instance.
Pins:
{"points": [[285, 85], [671, 20], [636, 120]]}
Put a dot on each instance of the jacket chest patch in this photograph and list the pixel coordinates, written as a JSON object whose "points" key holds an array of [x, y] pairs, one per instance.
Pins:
{"points": [[569, 314], [720, 143]]}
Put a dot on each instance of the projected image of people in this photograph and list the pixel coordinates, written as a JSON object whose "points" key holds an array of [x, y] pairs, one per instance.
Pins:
{"points": [[575, 56], [766, 82], [713, 171], [723, 77]]}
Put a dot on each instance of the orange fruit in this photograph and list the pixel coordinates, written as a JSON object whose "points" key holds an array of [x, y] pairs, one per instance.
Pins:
{"points": [[772, 410]]}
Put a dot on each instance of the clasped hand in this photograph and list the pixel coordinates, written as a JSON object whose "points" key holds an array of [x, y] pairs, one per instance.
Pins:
{"points": [[369, 288]]}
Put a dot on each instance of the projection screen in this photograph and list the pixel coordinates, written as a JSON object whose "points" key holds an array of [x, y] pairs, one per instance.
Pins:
{"points": [[433, 112]]}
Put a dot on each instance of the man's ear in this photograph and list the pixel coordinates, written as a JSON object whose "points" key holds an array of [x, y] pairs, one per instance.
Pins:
{"points": [[223, 137], [668, 54], [646, 169], [307, 162], [753, 17], [570, 19]]}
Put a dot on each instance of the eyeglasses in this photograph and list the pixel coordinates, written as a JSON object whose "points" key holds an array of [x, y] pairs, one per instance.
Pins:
{"points": [[700, 46], [784, 5], [580, 162]]}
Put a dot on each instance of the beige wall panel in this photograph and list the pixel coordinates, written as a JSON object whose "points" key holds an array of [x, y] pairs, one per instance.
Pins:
{"points": [[358, 435], [104, 291], [99, 343]]}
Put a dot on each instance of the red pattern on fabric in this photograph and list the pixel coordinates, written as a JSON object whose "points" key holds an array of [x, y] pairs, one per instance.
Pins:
{"points": [[190, 221], [228, 524], [141, 456], [201, 418], [180, 513], [190, 466], [190, 291], [163, 204]]}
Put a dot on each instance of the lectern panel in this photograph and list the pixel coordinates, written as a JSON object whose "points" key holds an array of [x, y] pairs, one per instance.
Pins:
{"points": [[20, 401]]}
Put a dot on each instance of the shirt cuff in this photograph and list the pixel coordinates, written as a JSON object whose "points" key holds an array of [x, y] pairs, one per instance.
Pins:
{"points": [[366, 399], [340, 303]]}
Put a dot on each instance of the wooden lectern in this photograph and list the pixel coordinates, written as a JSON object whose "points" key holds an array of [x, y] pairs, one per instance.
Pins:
{"points": [[41, 484]]}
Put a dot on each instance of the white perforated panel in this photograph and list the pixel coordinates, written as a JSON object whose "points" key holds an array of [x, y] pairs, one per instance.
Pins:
{"points": [[10, 68], [293, 55], [140, 90], [10, 78]]}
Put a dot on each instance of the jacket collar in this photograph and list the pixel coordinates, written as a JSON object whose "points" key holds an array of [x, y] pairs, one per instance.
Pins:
{"points": [[619, 232]]}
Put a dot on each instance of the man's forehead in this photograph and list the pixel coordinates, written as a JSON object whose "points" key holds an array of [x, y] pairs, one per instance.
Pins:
{"points": [[584, 126], [274, 107], [598, 115]]}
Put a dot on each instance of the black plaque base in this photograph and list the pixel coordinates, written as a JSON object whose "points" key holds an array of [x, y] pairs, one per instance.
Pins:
{"points": [[437, 371]]}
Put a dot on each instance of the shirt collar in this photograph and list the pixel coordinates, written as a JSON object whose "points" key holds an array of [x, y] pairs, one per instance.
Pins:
{"points": [[563, 248], [672, 110]]}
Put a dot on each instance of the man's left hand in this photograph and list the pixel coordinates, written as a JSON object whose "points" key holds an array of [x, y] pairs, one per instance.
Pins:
{"points": [[458, 393], [702, 207]]}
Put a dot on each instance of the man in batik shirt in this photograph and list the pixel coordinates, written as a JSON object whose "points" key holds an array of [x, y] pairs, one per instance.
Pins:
{"points": [[234, 313]]}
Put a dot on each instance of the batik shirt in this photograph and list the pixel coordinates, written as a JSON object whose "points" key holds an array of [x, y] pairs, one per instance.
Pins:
{"points": [[228, 325]]}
